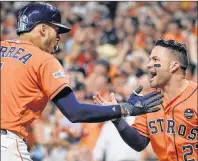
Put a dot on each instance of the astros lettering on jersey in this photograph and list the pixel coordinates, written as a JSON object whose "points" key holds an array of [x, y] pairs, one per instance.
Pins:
{"points": [[173, 129]]}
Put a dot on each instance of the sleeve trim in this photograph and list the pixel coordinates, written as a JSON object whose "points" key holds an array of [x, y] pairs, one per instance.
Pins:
{"points": [[58, 89]]}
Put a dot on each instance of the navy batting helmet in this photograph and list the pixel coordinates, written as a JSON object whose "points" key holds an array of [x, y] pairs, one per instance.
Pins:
{"points": [[36, 13]]}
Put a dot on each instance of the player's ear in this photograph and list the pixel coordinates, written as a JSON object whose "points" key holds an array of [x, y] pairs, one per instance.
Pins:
{"points": [[174, 66], [43, 29]]}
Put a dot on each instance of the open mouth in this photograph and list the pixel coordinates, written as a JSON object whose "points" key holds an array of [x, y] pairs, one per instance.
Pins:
{"points": [[152, 74]]}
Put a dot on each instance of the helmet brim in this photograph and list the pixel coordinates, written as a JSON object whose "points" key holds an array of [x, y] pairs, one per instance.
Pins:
{"points": [[62, 28]]}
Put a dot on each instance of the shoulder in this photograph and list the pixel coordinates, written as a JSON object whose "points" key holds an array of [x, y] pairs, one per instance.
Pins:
{"points": [[192, 90], [27, 47], [39, 56]]}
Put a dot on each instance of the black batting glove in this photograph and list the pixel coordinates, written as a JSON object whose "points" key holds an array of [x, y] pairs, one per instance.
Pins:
{"points": [[138, 104]]}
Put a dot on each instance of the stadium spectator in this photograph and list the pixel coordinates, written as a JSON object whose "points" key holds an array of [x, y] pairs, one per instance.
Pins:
{"points": [[106, 50]]}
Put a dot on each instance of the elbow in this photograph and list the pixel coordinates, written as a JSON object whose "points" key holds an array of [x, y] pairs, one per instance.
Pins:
{"points": [[73, 119], [139, 149], [141, 146]]}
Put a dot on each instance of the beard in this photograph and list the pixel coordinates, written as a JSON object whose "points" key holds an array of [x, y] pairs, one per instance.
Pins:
{"points": [[47, 46], [160, 81]]}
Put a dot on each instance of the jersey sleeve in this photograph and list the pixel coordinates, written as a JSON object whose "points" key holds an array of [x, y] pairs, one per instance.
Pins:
{"points": [[52, 77], [141, 125]]}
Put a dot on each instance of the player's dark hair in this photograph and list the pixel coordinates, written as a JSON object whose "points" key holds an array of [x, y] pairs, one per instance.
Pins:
{"points": [[178, 49]]}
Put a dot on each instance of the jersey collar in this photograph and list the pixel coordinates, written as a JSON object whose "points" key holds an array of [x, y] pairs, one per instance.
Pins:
{"points": [[17, 41]]}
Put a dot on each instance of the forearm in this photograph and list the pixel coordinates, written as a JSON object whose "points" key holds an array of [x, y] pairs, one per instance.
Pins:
{"points": [[131, 136], [81, 112]]}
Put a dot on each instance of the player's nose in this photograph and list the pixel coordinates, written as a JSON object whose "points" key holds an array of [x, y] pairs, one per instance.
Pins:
{"points": [[149, 64]]}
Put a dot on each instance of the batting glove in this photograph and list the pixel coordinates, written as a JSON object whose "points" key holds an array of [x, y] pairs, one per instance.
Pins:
{"points": [[138, 104]]}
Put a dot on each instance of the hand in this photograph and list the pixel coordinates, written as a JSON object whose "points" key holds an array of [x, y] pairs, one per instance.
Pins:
{"points": [[137, 104], [143, 104], [98, 99]]}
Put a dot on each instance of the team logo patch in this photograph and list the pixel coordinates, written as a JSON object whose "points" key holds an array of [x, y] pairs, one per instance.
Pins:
{"points": [[22, 23], [189, 113], [59, 74]]}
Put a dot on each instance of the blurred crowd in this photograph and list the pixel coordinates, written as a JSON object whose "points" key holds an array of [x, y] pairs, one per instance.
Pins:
{"points": [[106, 51]]}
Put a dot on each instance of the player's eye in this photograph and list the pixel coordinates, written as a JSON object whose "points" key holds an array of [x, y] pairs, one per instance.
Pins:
{"points": [[155, 59]]}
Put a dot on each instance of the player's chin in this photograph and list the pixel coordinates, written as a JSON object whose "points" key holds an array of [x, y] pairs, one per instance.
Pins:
{"points": [[153, 84]]}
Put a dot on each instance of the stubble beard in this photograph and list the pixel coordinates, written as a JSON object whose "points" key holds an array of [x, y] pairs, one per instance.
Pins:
{"points": [[46, 47], [161, 83]]}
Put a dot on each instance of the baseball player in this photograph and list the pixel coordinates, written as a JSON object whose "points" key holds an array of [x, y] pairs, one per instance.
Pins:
{"points": [[172, 130], [31, 76]]}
